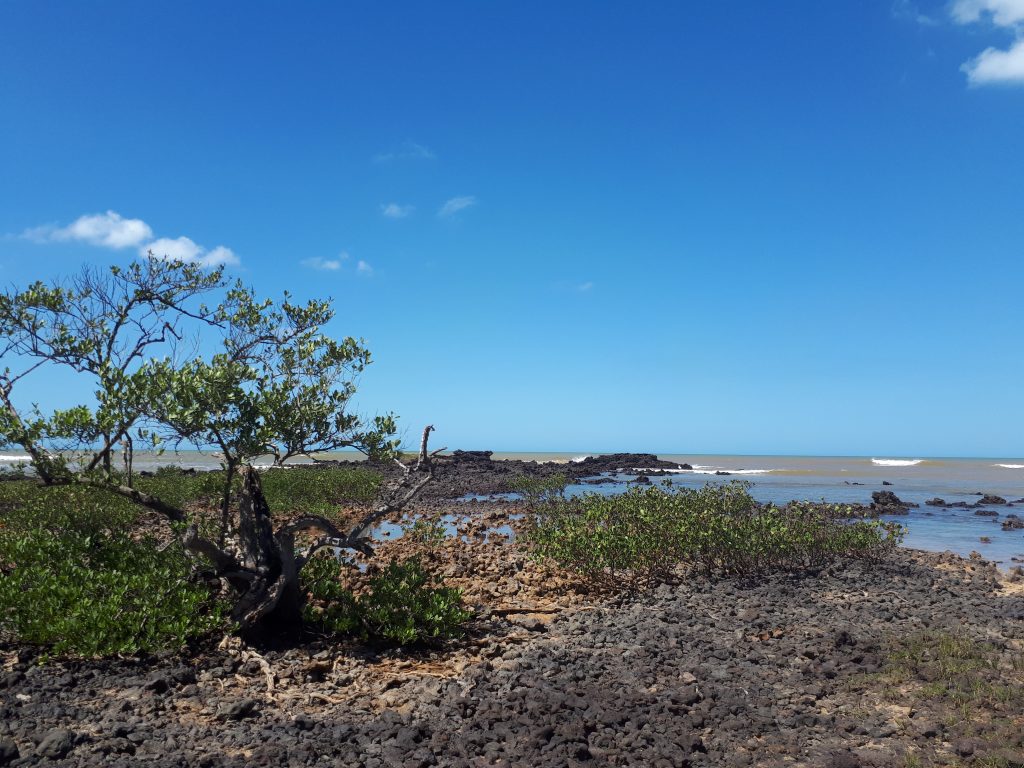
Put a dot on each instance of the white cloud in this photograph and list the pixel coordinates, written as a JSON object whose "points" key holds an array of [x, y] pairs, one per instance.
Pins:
{"points": [[363, 268], [585, 287], [993, 66], [108, 230], [396, 211], [181, 248], [220, 255], [409, 150], [324, 265], [185, 249], [1004, 13], [905, 9], [111, 230], [456, 204]]}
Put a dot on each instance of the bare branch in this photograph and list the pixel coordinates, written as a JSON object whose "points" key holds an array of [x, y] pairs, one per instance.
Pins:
{"points": [[146, 500], [389, 507], [223, 562], [423, 464], [40, 461]]}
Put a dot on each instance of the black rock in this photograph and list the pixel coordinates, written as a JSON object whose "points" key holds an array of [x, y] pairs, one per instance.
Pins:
{"points": [[886, 482], [237, 710], [8, 750], [986, 513], [56, 744], [936, 502], [642, 480], [990, 500], [158, 684], [844, 760], [964, 748], [929, 729], [472, 457], [11, 679], [888, 503]]}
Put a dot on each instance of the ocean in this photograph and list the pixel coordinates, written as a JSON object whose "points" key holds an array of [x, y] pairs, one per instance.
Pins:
{"points": [[842, 479]]}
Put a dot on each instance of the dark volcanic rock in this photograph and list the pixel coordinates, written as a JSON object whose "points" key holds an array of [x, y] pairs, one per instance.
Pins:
{"points": [[888, 503], [989, 500], [237, 710], [477, 472], [701, 672], [625, 462], [471, 457], [936, 502], [8, 750], [57, 743]]}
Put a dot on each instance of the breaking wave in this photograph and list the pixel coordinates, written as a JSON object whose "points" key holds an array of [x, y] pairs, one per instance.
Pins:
{"points": [[896, 462], [1010, 466], [701, 469], [14, 458]]}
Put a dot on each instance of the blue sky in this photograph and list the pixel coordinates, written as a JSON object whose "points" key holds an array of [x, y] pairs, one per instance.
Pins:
{"points": [[727, 227]]}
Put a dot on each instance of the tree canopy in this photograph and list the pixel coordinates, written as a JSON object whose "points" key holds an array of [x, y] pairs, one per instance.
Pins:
{"points": [[178, 355]]}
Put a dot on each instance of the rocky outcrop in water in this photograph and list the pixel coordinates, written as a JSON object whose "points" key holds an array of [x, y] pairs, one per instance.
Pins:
{"points": [[888, 503]]}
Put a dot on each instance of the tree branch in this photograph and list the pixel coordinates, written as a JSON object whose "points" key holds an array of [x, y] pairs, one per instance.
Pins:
{"points": [[223, 562], [146, 500], [423, 464]]}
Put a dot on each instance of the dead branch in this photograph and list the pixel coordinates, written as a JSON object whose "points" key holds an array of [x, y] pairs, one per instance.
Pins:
{"points": [[423, 464]]}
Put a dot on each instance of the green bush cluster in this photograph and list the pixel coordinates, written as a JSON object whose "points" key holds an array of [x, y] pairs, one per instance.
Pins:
{"points": [[295, 490], [73, 580], [645, 534], [401, 605], [319, 490], [428, 530]]}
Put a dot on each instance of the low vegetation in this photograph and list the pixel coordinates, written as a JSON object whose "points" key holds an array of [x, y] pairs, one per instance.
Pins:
{"points": [[317, 490], [966, 690], [79, 574], [73, 579], [646, 534], [403, 604]]}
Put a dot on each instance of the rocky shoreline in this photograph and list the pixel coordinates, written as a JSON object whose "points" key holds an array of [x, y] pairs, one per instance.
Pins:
{"points": [[784, 670]]}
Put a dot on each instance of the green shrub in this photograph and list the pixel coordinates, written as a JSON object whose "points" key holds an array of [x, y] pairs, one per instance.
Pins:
{"points": [[427, 530], [645, 534], [539, 490], [319, 490], [295, 490], [181, 488], [72, 578], [401, 605]]}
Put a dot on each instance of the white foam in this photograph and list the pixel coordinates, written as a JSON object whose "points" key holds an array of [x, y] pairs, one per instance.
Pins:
{"points": [[730, 471], [896, 462], [15, 458], [1011, 466], [579, 459], [705, 470]]}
